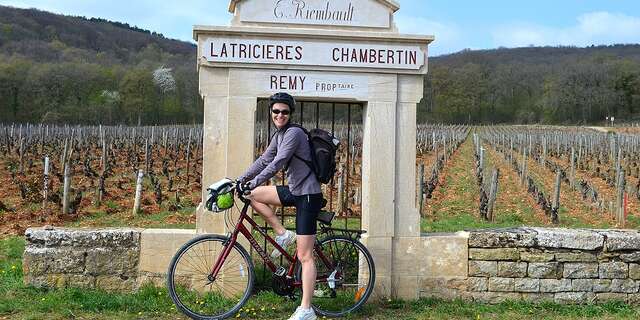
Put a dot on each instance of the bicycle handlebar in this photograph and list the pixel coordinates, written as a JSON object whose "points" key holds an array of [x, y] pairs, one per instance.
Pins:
{"points": [[242, 193]]}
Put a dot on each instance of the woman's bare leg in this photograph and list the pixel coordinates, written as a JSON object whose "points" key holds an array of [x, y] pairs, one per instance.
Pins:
{"points": [[305, 255], [261, 199]]}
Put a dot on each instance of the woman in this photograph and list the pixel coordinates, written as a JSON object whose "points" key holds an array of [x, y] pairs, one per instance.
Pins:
{"points": [[289, 148]]}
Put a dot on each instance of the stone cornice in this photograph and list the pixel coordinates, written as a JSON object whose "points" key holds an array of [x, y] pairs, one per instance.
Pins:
{"points": [[300, 33], [392, 4]]}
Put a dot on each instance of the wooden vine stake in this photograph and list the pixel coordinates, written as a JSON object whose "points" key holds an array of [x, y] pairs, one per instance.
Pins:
{"points": [[136, 203], [103, 172], [572, 173], [65, 190], [556, 200], [620, 216], [493, 192], [45, 189]]}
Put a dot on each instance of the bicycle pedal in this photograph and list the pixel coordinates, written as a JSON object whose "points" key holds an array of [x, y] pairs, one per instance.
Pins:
{"points": [[280, 272]]}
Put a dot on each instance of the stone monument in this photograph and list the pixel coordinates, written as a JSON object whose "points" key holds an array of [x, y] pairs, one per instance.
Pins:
{"points": [[322, 50]]}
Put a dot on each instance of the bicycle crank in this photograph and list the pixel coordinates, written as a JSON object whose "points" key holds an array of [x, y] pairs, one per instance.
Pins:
{"points": [[282, 286]]}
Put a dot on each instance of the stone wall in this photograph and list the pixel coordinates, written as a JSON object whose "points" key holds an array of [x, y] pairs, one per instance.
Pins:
{"points": [[534, 264], [561, 265], [106, 258]]}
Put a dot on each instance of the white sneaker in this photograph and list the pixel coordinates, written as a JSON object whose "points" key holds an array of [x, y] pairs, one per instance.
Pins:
{"points": [[284, 240], [303, 314]]}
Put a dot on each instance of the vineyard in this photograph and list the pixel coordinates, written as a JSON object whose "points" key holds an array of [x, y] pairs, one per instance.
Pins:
{"points": [[467, 177], [56, 175], [519, 175]]}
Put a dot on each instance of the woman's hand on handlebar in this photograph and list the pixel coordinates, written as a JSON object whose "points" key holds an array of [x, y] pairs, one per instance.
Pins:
{"points": [[243, 189]]}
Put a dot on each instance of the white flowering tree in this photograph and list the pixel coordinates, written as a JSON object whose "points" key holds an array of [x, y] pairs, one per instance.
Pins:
{"points": [[163, 78]]}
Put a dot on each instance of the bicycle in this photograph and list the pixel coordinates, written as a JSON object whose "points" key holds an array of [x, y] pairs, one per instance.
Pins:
{"points": [[212, 276]]}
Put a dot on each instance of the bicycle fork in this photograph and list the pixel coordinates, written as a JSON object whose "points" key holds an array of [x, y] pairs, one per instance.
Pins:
{"points": [[223, 256]]}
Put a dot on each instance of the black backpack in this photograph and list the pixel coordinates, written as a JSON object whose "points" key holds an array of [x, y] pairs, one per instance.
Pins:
{"points": [[323, 147]]}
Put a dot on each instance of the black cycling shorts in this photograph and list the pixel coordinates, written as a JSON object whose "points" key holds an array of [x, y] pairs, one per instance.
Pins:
{"points": [[307, 208]]}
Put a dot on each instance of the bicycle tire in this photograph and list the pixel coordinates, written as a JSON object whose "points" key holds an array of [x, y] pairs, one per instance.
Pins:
{"points": [[331, 306], [193, 294]]}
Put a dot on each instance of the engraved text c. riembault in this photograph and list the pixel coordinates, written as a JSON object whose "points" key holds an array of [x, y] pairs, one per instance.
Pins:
{"points": [[297, 9]]}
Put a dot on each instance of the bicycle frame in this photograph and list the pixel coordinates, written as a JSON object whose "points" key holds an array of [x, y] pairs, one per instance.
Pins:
{"points": [[242, 229]]}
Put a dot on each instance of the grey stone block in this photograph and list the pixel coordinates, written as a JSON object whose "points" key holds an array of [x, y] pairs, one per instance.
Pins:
{"points": [[634, 271], [510, 269], [34, 261], [544, 270], [501, 284], [580, 270], [64, 260], [102, 261], [601, 285], [536, 256], [613, 270], [537, 297], [85, 238], [478, 284], [494, 254], [57, 280], [115, 283], [622, 240], [502, 238], [604, 256], [611, 296], [582, 284], [630, 257], [576, 257], [483, 268], [527, 285], [633, 299], [569, 238], [555, 285], [574, 297], [624, 285]]}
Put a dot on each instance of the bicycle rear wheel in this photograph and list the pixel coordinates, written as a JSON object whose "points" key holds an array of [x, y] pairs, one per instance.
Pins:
{"points": [[195, 293], [346, 276]]}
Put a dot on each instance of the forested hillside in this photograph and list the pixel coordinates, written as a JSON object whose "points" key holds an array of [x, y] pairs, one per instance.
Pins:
{"points": [[554, 85], [63, 69]]}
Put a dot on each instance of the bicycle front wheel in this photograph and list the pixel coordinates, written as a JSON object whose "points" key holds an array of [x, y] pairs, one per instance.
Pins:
{"points": [[196, 293], [346, 276]]}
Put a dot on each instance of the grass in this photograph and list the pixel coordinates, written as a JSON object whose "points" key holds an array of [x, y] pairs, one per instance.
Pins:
{"points": [[123, 219], [18, 301]]}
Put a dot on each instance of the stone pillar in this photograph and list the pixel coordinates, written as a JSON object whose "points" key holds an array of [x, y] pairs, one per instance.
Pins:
{"points": [[378, 178], [406, 240], [214, 88], [228, 139], [406, 213]]}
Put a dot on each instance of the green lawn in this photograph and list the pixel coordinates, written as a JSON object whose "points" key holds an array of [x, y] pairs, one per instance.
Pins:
{"points": [[18, 301], [142, 220]]}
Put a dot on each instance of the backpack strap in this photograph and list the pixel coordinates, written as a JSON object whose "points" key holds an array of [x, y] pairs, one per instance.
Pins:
{"points": [[309, 163]]}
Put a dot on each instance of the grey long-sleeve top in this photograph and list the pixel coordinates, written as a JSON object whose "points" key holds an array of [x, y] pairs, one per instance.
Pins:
{"points": [[283, 146]]}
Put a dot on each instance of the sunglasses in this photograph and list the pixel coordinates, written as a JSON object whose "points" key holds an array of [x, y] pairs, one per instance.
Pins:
{"points": [[278, 111]]}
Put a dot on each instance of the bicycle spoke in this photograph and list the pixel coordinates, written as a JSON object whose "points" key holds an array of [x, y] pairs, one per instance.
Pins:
{"points": [[193, 291], [353, 269]]}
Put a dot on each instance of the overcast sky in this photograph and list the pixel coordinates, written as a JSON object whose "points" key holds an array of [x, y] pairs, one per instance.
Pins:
{"points": [[455, 24]]}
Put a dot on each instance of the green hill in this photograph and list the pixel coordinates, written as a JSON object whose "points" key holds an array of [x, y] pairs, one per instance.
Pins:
{"points": [[560, 85], [65, 69]]}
